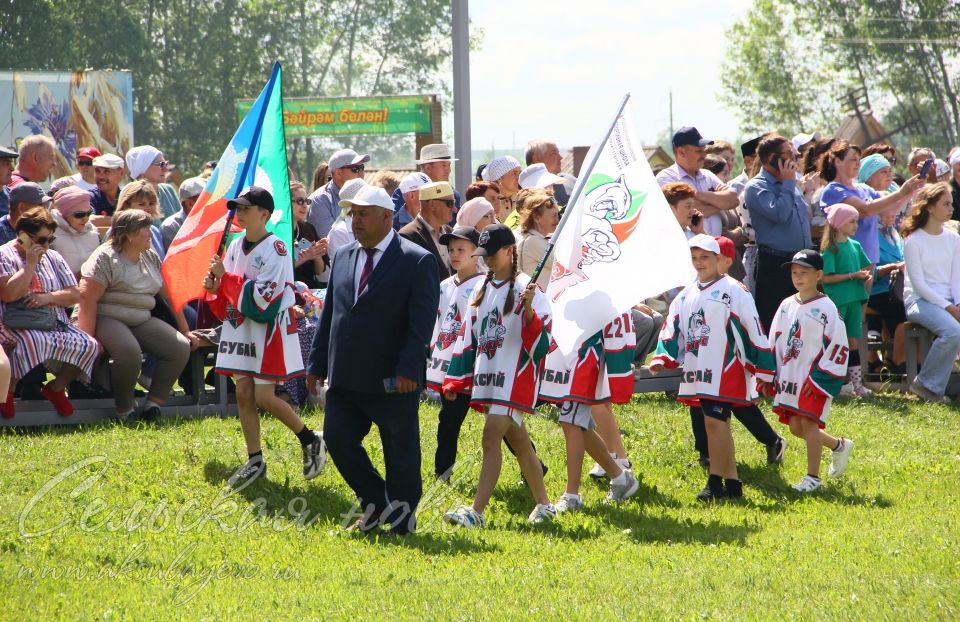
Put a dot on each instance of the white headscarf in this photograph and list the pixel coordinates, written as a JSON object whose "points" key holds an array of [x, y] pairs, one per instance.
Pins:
{"points": [[140, 158]]}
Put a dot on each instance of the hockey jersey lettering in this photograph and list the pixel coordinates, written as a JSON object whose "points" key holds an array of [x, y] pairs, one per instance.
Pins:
{"points": [[454, 305], [255, 300], [809, 342], [602, 371], [498, 357], [713, 332]]}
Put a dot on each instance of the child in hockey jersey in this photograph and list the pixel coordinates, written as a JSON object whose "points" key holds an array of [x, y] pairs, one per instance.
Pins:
{"points": [[498, 359], [810, 346], [713, 332], [454, 306], [251, 290], [847, 276], [601, 373]]}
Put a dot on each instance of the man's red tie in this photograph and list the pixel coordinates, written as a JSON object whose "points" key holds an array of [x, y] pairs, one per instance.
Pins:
{"points": [[367, 269]]}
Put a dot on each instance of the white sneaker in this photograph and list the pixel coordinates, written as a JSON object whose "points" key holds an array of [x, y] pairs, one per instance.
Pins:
{"points": [[542, 513], [807, 484], [465, 516], [568, 503], [597, 472], [862, 391], [619, 492], [840, 458], [847, 390]]}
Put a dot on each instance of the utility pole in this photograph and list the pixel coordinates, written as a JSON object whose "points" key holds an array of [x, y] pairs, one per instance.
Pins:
{"points": [[461, 92]]}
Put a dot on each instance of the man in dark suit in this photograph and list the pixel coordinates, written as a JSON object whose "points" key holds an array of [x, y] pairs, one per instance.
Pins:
{"points": [[370, 349], [436, 210]]}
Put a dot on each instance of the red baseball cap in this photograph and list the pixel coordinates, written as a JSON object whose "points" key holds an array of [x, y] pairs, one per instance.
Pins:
{"points": [[727, 249], [88, 153]]}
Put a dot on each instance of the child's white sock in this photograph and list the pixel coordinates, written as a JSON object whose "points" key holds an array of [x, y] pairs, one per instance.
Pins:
{"points": [[620, 479]]}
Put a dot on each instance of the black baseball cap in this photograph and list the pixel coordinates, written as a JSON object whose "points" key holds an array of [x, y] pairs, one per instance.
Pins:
{"points": [[493, 238], [749, 148], [254, 195], [806, 258], [461, 233], [689, 136], [7, 152]]}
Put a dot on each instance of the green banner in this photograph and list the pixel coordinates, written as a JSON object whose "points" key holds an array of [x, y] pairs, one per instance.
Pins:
{"points": [[337, 116]]}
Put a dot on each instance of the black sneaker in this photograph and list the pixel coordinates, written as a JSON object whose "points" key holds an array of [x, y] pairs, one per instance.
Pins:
{"points": [[776, 451], [253, 469], [148, 414], [704, 461], [709, 494], [314, 457]]}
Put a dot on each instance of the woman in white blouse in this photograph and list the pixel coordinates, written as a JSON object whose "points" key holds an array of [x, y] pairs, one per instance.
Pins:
{"points": [[932, 286]]}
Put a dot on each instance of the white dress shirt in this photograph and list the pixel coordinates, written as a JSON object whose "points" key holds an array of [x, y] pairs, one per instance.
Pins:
{"points": [[379, 249]]}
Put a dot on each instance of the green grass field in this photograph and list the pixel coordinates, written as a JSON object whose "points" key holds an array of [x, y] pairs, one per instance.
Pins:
{"points": [[116, 523]]}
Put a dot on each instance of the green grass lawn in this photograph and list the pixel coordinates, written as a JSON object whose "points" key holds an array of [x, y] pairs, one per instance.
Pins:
{"points": [[110, 522]]}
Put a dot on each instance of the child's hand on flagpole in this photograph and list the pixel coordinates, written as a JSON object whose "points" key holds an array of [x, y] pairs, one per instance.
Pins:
{"points": [[216, 267], [527, 297], [210, 284]]}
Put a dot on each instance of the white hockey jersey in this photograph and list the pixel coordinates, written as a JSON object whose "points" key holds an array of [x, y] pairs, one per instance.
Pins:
{"points": [[255, 302], [454, 306], [498, 358], [602, 371], [809, 342], [713, 332]]}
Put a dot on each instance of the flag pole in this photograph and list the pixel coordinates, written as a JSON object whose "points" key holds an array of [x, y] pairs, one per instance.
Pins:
{"points": [[578, 190]]}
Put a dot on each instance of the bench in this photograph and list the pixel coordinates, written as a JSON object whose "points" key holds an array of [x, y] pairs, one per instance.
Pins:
{"points": [[919, 338], [202, 402]]}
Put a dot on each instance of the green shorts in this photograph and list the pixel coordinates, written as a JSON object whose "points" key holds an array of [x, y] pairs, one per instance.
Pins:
{"points": [[852, 316]]}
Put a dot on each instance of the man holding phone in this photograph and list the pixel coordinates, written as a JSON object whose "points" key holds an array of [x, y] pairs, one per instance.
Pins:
{"points": [[781, 221], [712, 195]]}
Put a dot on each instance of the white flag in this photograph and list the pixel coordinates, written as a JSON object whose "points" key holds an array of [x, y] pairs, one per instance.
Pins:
{"points": [[621, 244]]}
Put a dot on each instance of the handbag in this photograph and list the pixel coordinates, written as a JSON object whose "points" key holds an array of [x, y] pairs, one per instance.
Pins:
{"points": [[896, 284], [18, 316]]}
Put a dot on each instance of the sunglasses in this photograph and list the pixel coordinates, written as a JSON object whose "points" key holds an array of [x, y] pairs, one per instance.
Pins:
{"points": [[162, 164], [43, 240], [84, 162], [447, 202], [357, 168], [301, 201], [80, 215]]}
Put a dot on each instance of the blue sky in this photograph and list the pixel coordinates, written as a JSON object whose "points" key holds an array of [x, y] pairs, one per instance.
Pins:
{"points": [[557, 69]]}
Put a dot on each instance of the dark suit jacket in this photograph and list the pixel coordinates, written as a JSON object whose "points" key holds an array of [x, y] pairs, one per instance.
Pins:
{"points": [[386, 333], [417, 232]]}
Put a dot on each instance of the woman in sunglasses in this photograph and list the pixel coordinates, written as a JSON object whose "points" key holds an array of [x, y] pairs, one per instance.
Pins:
{"points": [[310, 248], [78, 237], [36, 282], [147, 163]]}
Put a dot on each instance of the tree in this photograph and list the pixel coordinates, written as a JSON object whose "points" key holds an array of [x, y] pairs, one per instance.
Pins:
{"points": [[903, 52], [192, 59]]}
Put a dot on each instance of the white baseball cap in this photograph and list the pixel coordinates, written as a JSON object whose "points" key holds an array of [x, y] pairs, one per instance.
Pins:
{"points": [[537, 176], [704, 241], [413, 181], [108, 160], [370, 195], [802, 139]]}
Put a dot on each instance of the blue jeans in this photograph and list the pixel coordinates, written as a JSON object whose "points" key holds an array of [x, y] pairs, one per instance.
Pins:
{"points": [[939, 361]]}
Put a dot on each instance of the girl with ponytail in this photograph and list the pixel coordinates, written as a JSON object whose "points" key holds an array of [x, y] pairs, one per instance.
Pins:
{"points": [[498, 359]]}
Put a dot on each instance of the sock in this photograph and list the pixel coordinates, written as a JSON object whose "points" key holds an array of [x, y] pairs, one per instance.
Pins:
{"points": [[839, 445], [816, 477], [715, 484], [255, 457], [855, 358], [734, 487], [620, 479], [306, 435], [571, 495]]}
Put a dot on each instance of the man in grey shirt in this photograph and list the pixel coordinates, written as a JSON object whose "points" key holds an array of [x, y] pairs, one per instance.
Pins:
{"points": [[344, 165], [189, 192]]}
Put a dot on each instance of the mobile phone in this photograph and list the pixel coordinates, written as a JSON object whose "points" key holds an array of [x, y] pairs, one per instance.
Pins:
{"points": [[925, 169], [695, 219], [776, 162]]}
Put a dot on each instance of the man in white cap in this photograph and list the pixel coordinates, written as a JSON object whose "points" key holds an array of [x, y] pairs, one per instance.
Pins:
{"points": [[344, 165], [147, 162], [547, 153], [108, 171], [378, 314], [436, 210], [189, 192], [802, 141], [409, 195], [435, 161]]}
